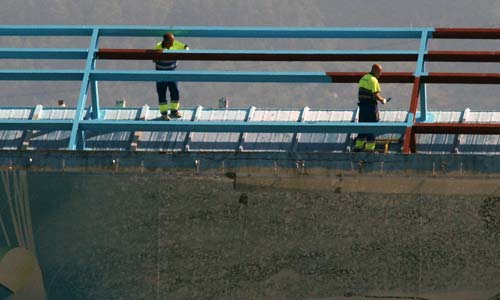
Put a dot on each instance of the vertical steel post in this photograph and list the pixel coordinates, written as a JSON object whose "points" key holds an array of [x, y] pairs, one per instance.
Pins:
{"points": [[409, 136], [423, 103], [297, 135], [243, 135], [76, 133], [96, 114], [189, 135], [420, 71]]}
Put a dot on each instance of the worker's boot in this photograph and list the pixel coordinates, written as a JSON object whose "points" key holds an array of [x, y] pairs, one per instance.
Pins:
{"points": [[370, 146], [359, 145], [165, 117], [175, 114]]}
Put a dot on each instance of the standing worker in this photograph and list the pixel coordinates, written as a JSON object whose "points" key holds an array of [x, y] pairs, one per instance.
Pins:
{"points": [[368, 95], [168, 43]]}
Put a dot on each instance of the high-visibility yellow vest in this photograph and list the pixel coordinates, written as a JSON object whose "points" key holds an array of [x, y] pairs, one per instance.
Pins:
{"points": [[368, 86], [169, 64]]}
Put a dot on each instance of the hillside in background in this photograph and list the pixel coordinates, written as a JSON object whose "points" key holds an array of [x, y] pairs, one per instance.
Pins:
{"points": [[353, 13]]}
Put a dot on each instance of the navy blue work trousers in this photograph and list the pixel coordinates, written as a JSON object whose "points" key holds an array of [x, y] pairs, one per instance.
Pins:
{"points": [[368, 112], [162, 86], [161, 89]]}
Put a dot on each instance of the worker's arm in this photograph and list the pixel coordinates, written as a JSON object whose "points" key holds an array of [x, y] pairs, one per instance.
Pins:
{"points": [[379, 98], [186, 47], [159, 49]]}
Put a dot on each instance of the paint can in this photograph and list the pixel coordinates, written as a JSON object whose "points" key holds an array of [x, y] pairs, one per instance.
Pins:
{"points": [[121, 103], [224, 102]]}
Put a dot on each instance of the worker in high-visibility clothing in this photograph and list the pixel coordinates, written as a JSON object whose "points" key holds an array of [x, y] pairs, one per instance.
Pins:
{"points": [[369, 94], [168, 43]]}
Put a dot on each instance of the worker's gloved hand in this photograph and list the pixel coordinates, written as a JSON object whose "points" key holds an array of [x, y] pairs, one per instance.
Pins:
{"points": [[384, 101]]}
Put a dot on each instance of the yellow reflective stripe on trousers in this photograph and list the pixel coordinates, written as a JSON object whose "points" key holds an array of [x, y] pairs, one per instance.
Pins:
{"points": [[164, 108], [370, 146], [174, 105]]}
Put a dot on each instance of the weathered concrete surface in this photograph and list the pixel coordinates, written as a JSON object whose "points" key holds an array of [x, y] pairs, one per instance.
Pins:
{"points": [[375, 183], [144, 162], [96, 236], [169, 237]]}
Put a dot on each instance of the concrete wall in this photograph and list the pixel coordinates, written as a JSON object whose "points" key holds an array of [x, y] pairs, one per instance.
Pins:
{"points": [[214, 237]]}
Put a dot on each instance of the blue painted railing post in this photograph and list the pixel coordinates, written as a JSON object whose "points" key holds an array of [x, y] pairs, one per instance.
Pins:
{"points": [[77, 138], [420, 70], [423, 103], [96, 114]]}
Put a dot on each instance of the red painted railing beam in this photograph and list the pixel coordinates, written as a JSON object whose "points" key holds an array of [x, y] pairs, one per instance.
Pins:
{"points": [[462, 56], [456, 128], [441, 55], [145, 54], [463, 78], [466, 33], [387, 77], [409, 142]]}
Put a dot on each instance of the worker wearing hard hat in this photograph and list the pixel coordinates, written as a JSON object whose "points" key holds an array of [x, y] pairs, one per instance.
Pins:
{"points": [[368, 98], [168, 43]]}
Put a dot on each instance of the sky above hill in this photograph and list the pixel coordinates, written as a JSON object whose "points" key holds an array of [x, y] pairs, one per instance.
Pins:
{"points": [[283, 13]]}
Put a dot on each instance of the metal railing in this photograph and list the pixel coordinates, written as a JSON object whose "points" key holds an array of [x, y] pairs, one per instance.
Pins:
{"points": [[90, 75]]}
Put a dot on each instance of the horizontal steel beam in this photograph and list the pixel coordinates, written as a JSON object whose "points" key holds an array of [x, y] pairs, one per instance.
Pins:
{"points": [[210, 76], [45, 30], [221, 32], [463, 56], [466, 33], [12, 124], [37, 53], [297, 55], [387, 77], [57, 75], [257, 55], [456, 128], [234, 76], [270, 127], [264, 32], [462, 78], [244, 55]]}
